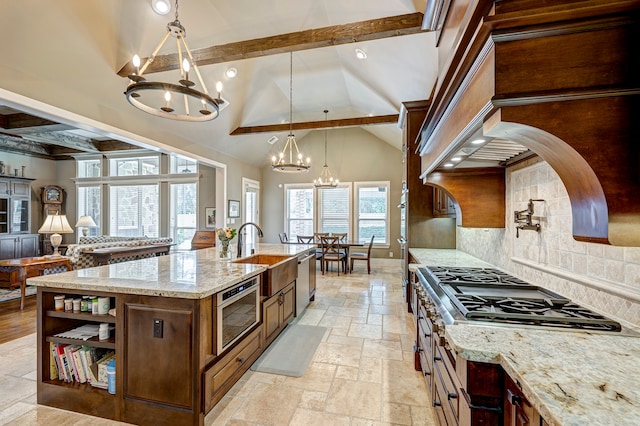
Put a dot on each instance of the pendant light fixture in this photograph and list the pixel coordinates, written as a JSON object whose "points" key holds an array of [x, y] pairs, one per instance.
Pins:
{"points": [[287, 161], [176, 101], [325, 180]]}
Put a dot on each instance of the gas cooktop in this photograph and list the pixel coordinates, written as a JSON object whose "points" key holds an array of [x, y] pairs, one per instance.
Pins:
{"points": [[490, 295]]}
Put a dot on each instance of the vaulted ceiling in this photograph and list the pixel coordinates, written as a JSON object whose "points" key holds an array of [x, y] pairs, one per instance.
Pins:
{"points": [[62, 64]]}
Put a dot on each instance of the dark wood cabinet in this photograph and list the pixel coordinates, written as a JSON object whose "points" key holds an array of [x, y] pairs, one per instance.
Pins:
{"points": [[517, 409], [277, 310], [168, 331]]}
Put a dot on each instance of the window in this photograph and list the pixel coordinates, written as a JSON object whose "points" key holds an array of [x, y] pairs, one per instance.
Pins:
{"points": [[89, 203], [182, 221], [89, 168], [134, 210], [179, 165], [134, 166], [298, 210], [334, 209], [372, 212]]}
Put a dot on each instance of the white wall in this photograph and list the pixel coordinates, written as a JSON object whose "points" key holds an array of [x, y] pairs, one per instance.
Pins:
{"points": [[352, 155], [603, 277]]}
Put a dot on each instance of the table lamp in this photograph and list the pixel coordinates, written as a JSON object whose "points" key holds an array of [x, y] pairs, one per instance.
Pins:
{"points": [[55, 225], [85, 222]]}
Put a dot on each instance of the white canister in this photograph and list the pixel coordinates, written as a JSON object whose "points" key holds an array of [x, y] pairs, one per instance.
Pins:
{"points": [[59, 302], [104, 304], [76, 304], [103, 331]]}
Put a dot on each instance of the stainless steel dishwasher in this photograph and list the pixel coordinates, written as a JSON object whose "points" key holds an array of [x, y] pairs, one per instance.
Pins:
{"points": [[302, 282]]}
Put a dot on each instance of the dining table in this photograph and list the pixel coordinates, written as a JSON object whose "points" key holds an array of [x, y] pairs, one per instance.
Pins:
{"points": [[346, 245]]}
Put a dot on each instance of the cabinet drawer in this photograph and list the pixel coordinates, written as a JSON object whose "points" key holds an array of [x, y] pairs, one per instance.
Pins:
{"points": [[446, 385], [217, 378]]}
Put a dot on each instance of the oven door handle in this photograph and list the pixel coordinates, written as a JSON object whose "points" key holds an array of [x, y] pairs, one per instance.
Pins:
{"points": [[238, 296]]}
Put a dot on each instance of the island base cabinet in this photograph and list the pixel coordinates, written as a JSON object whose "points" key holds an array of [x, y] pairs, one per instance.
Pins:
{"points": [[277, 310], [160, 361], [220, 377], [159, 340]]}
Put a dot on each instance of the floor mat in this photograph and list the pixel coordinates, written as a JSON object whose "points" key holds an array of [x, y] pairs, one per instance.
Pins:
{"points": [[291, 352]]}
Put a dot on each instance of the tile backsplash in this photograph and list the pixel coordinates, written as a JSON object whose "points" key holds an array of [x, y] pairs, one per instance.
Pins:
{"points": [[605, 278]]}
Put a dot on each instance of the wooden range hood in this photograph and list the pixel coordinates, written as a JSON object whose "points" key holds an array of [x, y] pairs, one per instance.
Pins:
{"points": [[562, 80]]}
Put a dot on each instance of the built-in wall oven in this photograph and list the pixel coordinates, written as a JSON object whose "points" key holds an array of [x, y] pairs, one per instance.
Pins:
{"points": [[237, 311]]}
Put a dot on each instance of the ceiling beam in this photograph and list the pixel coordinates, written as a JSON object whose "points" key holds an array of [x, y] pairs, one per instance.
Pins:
{"points": [[63, 139], [23, 121], [373, 29], [315, 125], [18, 145]]}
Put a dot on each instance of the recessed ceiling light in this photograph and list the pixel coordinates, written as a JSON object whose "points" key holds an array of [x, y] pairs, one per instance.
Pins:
{"points": [[478, 141], [361, 54], [456, 159], [161, 7], [448, 165], [231, 72]]}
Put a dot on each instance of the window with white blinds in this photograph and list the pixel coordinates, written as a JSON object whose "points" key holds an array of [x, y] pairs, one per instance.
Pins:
{"points": [[372, 212], [134, 210], [334, 210], [298, 209], [89, 202], [182, 220]]}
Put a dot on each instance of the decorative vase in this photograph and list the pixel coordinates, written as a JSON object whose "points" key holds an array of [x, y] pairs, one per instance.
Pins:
{"points": [[224, 250]]}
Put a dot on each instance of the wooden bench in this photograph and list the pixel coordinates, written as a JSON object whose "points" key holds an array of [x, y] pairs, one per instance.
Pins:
{"points": [[104, 256]]}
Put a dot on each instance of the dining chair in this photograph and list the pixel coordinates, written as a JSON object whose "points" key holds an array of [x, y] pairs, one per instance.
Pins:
{"points": [[318, 239], [362, 256], [341, 237], [331, 253], [305, 239], [283, 237]]}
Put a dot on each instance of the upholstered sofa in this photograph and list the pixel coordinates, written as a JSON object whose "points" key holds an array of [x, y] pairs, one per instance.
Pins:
{"points": [[77, 253]]}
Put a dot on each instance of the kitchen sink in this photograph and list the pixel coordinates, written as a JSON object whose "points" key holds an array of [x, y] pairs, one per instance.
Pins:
{"points": [[282, 270]]}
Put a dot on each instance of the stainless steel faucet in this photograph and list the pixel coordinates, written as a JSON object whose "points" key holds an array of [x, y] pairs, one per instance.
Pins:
{"points": [[241, 235], [524, 219]]}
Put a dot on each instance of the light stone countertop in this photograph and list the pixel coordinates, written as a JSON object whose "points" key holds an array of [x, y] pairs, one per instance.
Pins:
{"points": [[570, 377], [191, 274]]}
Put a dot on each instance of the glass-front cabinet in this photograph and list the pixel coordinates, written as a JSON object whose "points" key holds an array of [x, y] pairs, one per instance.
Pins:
{"points": [[20, 215], [15, 219], [4, 215]]}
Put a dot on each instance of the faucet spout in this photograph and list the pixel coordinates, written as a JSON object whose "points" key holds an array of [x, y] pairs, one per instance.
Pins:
{"points": [[241, 235]]}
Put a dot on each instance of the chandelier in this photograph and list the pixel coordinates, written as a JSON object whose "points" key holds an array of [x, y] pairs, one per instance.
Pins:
{"points": [[179, 101], [286, 161], [325, 180]]}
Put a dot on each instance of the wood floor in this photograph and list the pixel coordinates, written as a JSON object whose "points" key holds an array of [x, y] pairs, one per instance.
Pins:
{"points": [[15, 323]]}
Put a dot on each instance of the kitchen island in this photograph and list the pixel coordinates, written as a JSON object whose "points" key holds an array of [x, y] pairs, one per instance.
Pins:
{"points": [[165, 334], [569, 377]]}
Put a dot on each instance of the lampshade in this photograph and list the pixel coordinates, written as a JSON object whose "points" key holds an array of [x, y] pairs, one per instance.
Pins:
{"points": [[85, 221], [55, 225]]}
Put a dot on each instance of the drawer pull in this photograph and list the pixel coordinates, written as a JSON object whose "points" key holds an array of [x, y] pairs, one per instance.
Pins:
{"points": [[240, 360]]}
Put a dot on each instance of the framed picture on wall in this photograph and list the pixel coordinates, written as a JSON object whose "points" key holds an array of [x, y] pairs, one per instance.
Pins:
{"points": [[234, 208], [209, 217]]}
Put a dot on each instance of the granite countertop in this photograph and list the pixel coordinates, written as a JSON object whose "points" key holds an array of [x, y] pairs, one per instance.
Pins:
{"points": [[570, 377], [191, 274]]}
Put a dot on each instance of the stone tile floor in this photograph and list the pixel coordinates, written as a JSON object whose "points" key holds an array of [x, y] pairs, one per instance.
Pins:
{"points": [[361, 374]]}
